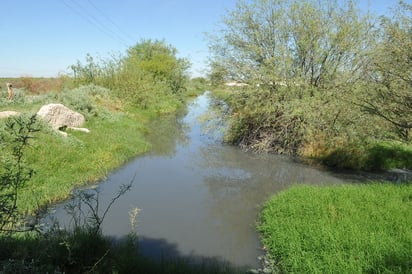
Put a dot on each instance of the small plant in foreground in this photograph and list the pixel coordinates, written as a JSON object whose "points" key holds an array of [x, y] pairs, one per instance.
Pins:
{"points": [[13, 172]]}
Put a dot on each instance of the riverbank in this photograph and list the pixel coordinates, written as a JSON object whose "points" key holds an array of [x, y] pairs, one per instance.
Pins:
{"points": [[373, 146], [343, 229], [117, 134], [69, 152]]}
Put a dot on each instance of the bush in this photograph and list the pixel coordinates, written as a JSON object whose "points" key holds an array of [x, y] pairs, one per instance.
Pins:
{"points": [[387, 155], [150, 76], [14, 172]]}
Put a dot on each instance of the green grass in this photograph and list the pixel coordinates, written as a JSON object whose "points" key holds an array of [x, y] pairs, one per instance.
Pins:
{"points": [[339, 229], [62, 163]]}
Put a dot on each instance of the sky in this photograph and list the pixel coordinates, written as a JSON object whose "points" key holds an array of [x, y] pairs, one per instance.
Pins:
{"points": [[43, 38]]}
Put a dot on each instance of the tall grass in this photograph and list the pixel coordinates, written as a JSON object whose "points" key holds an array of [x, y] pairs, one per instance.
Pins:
{"points": [[344, 229]]}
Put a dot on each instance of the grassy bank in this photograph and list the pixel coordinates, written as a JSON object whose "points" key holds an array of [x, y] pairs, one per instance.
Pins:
{"points": [[344, 229], [63, 163]]}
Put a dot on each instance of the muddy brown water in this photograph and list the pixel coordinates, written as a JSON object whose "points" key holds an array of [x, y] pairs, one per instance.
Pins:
{"points": [[197, 197]]}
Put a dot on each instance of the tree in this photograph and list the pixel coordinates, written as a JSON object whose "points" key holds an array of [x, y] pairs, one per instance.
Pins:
{"points": [[150, 71], [389, 84], [301, 60], [160, 61], [280, 42]]}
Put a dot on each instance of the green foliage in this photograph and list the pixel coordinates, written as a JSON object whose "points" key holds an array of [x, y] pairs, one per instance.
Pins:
{"points": [[149, 76], [297, 58], [84, 99], [313, 72], [275, 43], [389, 83], [218, 74], [14, 173], [197, 86], [387, 155], [101, 72], [372, 156], [65, 163], [340, 229], [261, 122], [152, 77]]}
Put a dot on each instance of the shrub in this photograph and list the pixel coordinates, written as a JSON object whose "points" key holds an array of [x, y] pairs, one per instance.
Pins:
{"points": [[14, 173]]}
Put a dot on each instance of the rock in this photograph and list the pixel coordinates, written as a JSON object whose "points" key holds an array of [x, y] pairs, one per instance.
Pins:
{"points": [[86, 130], [7, 113], [58, 116]]}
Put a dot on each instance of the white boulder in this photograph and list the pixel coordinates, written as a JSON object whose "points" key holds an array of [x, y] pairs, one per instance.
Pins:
{"points": [[60, 116]]}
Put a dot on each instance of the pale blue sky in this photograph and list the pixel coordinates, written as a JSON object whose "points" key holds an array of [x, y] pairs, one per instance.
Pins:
{"points": [[45, 37]]}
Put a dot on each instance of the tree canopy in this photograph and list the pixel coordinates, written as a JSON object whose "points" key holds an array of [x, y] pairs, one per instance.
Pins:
{"points": [[322, 77], [278, 42]]}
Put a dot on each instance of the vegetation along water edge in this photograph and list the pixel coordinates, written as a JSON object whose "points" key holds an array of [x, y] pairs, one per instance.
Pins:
{"points": [[318, 80], [330, 85]]}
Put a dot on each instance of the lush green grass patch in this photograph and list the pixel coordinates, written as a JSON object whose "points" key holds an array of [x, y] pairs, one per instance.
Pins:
{"points": [[340, 229]]}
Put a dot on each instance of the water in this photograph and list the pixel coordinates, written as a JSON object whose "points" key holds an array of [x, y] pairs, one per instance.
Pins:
{"points": [[197, 197]]}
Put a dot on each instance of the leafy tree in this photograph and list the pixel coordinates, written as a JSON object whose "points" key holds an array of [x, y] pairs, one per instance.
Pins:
{"points": [[301, 60], [279, 42], [149, 76], [159, 60], [389, 84]]}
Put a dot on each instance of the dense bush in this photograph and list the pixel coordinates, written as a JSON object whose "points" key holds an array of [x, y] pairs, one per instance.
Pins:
{"points": [[149, 76]]}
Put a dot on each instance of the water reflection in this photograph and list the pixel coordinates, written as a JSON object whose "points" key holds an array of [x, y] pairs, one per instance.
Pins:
{"points": [[197, 195], [166, 133]]}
